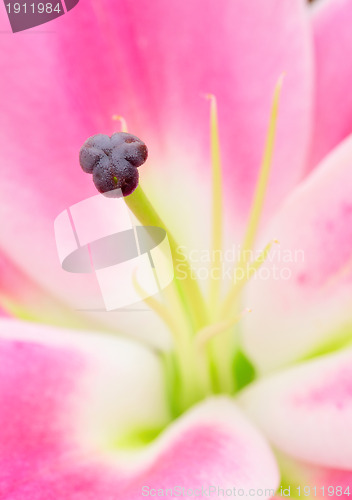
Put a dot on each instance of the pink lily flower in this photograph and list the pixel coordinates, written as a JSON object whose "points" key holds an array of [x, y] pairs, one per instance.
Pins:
{"points": [[99, 416]]}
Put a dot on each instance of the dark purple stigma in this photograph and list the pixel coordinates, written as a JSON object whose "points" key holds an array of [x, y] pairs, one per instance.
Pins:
{"points": [[113, 161]]}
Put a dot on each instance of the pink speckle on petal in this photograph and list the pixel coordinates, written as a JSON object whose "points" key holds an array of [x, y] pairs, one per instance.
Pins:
{"points": [[335, 388], [302, 278]]}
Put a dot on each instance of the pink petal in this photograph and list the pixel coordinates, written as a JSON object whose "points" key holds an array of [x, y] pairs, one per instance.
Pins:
{"points": [[307, 411], [4, 313], [67, 399], [335, 482], [148, 61], [305, 303], [333, 49], [22, 297], [308, 480]]}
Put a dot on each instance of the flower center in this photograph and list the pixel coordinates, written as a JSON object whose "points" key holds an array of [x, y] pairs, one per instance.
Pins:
{"points": [[207, 356]]}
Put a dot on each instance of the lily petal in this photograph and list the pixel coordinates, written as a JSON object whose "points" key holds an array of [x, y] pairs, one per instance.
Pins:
{"points": [[3, 313], [333, 47], [67, 399], [334, 481], [303, 478], [23, 298], [144, 60], [301, 297], [95, 363], [306, 411]]}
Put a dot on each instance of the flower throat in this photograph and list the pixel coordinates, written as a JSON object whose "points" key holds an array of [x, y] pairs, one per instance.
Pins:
{"points": [[206, 357]]}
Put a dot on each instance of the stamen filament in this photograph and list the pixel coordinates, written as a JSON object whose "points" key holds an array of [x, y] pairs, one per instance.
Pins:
{"points": [[182, 347], [262, 184], [212, 331], [157, 307], [223, 350], [217, 215], [248, 271]]}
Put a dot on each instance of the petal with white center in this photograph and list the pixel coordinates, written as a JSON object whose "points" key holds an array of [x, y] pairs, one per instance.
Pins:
{"points": [[301, 297], [68, 398], [306, 411]]}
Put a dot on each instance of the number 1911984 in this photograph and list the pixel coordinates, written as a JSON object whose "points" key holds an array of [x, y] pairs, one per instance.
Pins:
{"points": [[322, 491], [40, 8]]}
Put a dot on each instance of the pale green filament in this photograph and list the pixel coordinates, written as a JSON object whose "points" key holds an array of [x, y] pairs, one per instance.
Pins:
{"points": [[257, 205], [160, 309], [248, 270], [190, 384], [217, 216], [223, 348], [262, 184], [211, 331]]}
